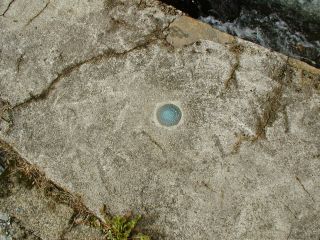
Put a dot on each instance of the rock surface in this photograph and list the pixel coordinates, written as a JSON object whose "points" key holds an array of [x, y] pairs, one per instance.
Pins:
{"points": [[80, 82], [32, 216]]}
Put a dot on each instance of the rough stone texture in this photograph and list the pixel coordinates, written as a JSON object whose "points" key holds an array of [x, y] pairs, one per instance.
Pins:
{"points": [[42, 40], [83, 79], [83, 232], [11, 229], [4, 224], [34, 216], [185, 31]]}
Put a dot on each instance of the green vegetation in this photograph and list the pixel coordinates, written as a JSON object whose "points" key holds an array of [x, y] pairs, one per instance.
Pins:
{"points": [[121, 227]]}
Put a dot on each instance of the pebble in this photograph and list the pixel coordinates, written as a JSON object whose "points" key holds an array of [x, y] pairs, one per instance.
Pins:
{"points": [[4, 217], [4, 223]]}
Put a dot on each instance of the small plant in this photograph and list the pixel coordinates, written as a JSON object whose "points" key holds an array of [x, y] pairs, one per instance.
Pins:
{"points": [[121, 227]]}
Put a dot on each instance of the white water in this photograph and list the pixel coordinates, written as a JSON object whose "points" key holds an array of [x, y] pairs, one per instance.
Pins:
{"points": [[308, 8], [271, 32]]}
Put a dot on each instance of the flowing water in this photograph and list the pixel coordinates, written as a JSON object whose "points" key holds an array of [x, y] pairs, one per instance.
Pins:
{"points": [[289, 31]]}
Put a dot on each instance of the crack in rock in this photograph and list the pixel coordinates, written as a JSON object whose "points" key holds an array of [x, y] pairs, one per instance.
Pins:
{"points": [[271, 108], [293, 213], [304, 189], [218, 145], [6, 114], [237, 49], [272, 105], [270, 111], [19, 62], [144, 133], [7, 9], [33, 176], [38, 14], [75, 66]]}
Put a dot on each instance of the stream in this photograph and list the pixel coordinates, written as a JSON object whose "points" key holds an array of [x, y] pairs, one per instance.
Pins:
{"points": [[292, 27]]}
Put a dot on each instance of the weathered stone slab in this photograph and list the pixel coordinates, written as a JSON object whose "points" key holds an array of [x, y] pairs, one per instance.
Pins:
{"points": [[40, 218], [243, 163], [186, 30]]}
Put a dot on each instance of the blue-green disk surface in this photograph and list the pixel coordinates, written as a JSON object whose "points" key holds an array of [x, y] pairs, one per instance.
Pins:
{"points": [[169, 115]]}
